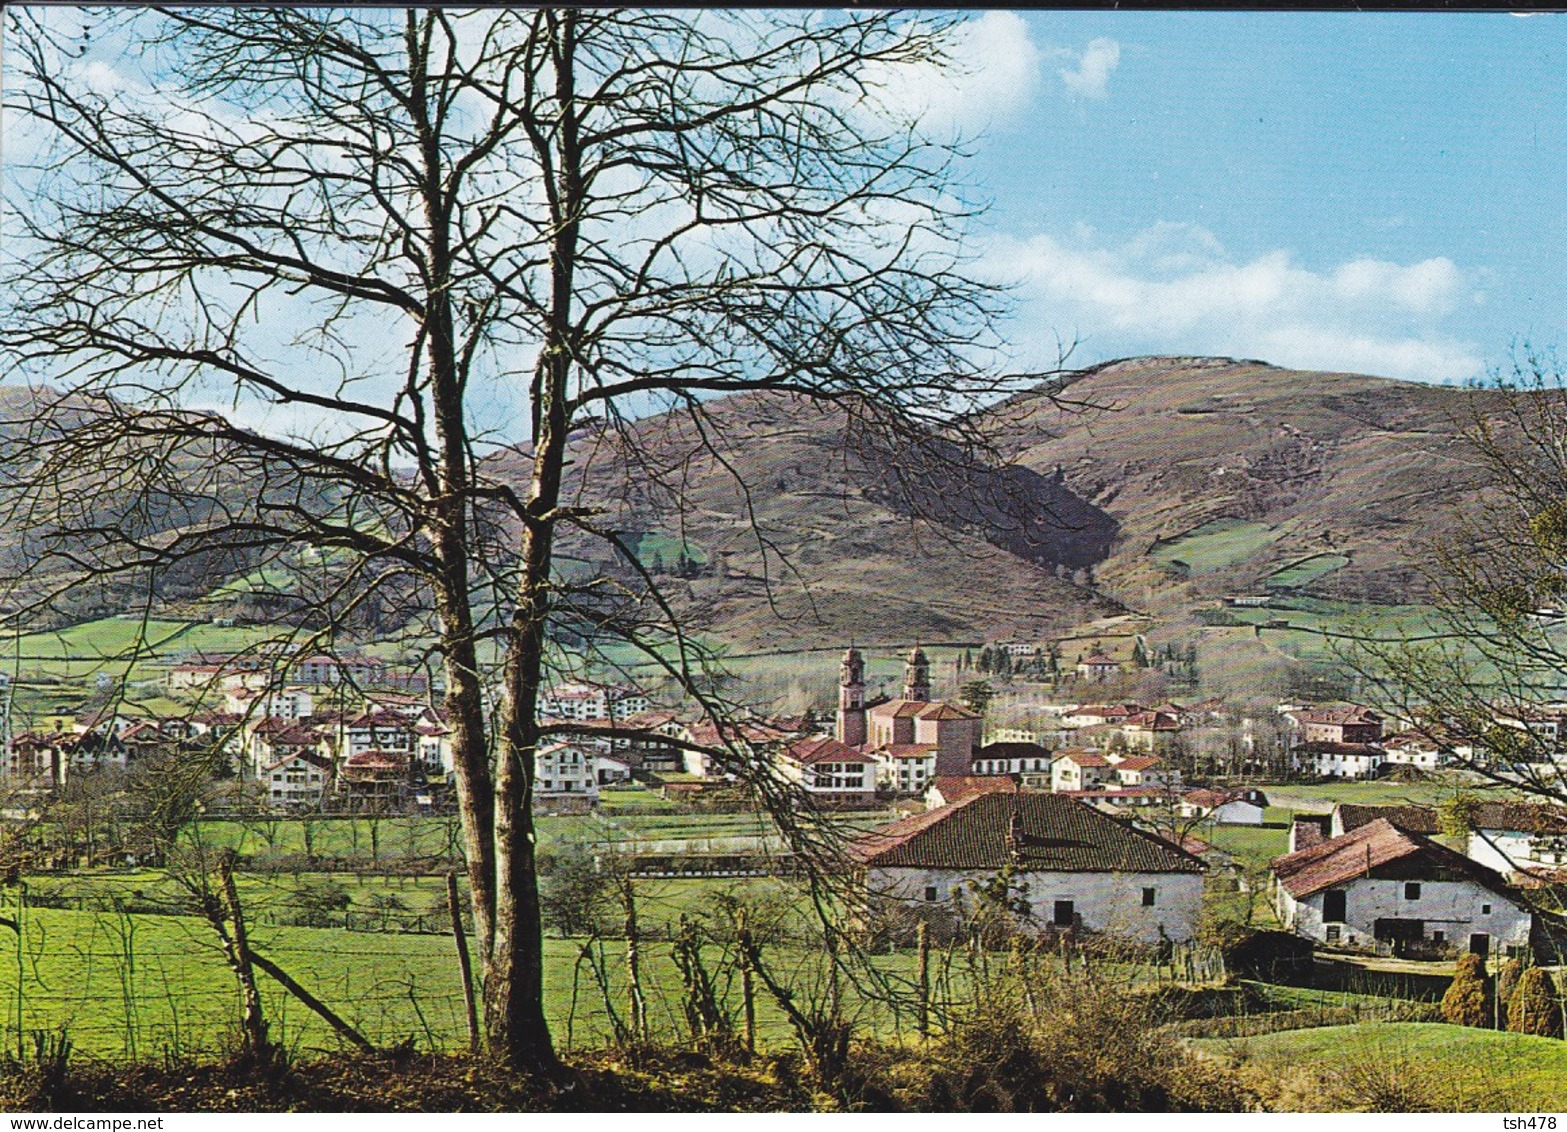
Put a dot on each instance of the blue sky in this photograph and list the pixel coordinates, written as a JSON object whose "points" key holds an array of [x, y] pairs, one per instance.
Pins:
{"points": [[1382, 193], [1376, 193]]}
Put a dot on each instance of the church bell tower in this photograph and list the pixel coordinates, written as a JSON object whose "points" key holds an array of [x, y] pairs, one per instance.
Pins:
{"points": [[851, 699], [916, 676]]}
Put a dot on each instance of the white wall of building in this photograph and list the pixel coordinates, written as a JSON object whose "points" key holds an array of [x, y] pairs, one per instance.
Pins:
{"points": [[1107, 902], [1457, 909], [1508, 850]]}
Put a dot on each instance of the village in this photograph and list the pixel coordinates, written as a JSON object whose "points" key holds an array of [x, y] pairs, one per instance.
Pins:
{"points": [[1104, 814]]}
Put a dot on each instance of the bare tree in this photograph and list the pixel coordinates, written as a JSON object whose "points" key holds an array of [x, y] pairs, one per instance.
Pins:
{"points": [[387, 228], [1483, 681]]}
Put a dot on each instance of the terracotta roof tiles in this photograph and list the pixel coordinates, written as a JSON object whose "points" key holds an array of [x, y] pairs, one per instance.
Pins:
{"points": [[1034, 832]]}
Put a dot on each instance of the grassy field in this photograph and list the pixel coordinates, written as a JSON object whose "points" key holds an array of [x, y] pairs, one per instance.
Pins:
{"points": [[136, 986], [1252, 846], [1404, 1067], [1319, 798], [1214, 545], [1304, 571], [122, 646]]}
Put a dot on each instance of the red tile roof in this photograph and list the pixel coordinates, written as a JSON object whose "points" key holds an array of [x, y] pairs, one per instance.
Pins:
{"points": [[1213, 799], [823, 749], [302, 756], [1139, 762], [1082, 758], [1414, 819], [1337, 716], [1379, 849], [1153, 721], [955, 786], [1521, 817], [907, 750], [943, 710], [1362, 750], [1034, 832]]}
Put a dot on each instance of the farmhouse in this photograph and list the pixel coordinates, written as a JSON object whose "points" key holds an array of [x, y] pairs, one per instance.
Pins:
{"points": [[564, 770], [1380, 887], [1073, 867], [298, 780], [1337, 725], [1097, 667], [1415, 750], [1518, 838], [1151, 731]]}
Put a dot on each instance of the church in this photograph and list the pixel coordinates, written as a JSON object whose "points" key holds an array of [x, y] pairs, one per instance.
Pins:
{"points": [[913, 738]]}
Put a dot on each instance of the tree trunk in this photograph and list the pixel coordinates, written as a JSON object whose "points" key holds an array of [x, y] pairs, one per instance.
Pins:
{"points": [[236, 945], [514, 984]]}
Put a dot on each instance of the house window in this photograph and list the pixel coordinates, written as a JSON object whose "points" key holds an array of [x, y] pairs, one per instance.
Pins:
{"points": [[1333, 933], [930, 892], [1148, 897], [1064, 914], [1485, 909], [1412, 891], [1438, 937]]}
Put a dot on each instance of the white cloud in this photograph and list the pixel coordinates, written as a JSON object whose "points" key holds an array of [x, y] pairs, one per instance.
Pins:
{"points": [[1091, 77], [1173, 289], [993, 70]]}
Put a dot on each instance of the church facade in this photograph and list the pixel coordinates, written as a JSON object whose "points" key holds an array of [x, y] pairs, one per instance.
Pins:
{"points": [[913, 738]]}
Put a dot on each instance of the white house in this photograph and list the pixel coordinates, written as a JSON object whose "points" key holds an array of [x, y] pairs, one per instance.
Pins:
{"points": [[1073, 867], [377, 731], [1079, 770], [1414, 750], [274, 703], [1143, 770], [297, 781], [578, 701], [1339, 760], [905, 768], [564, 770], [610, 768], [825, 767], [1383, 888], [1225, 807], [1518, 837]]}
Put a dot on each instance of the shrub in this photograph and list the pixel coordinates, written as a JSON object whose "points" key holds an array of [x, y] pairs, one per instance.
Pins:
{"points": [[1468, 1000], [1534, 1008], [1036, 1040]]}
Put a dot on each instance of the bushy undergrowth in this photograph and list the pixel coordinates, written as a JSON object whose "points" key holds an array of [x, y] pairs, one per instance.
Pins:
{"points": [[1039, 1040]]}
